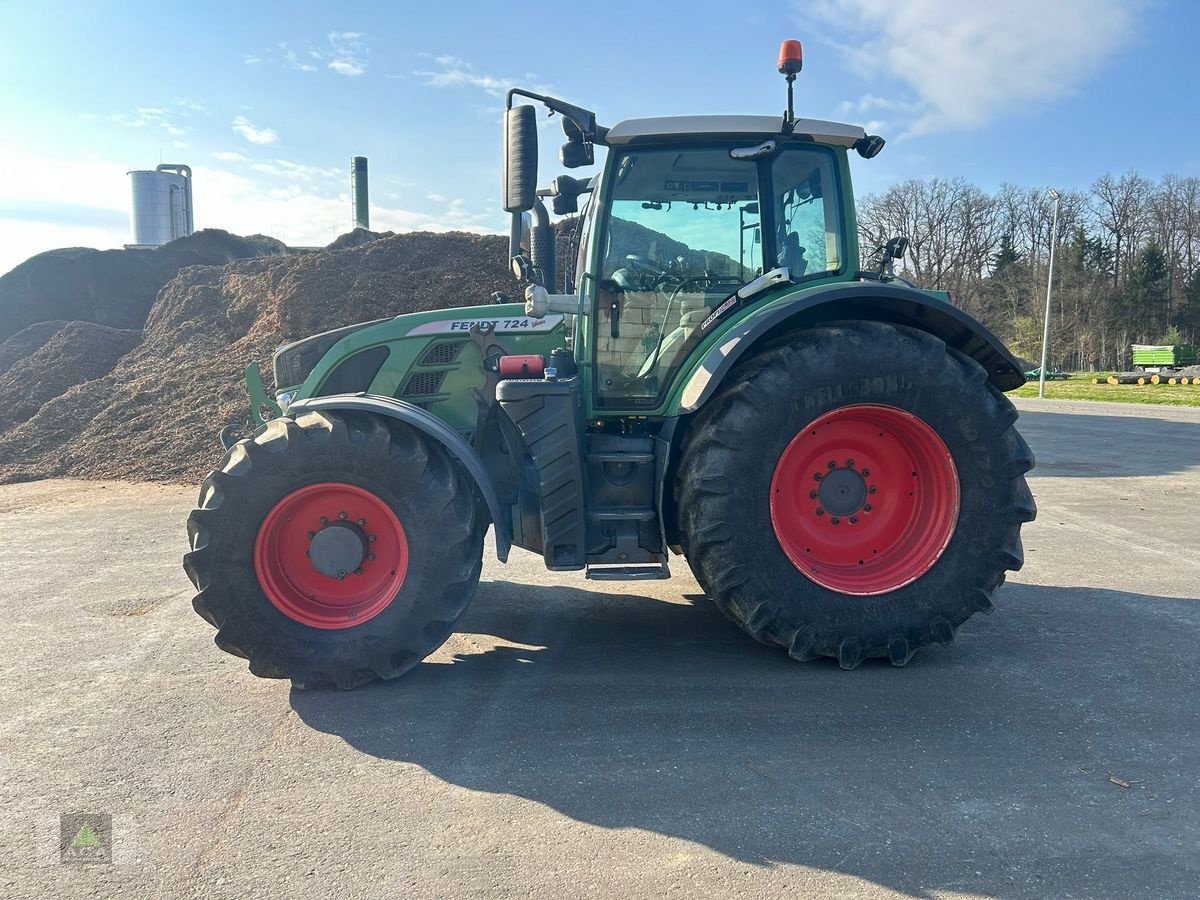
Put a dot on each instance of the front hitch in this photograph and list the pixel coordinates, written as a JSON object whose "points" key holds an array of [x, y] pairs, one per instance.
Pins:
{"points": [[262, 408]]}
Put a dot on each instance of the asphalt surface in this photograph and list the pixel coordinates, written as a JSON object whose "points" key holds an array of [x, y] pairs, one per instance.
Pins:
{"points": [[573, 742]]}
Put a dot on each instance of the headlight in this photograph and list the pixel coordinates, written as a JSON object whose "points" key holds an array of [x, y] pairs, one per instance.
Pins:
{"points": [[293, 362]]}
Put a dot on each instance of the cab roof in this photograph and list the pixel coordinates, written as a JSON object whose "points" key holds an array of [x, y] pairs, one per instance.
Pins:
{"points": [[821, 132]]}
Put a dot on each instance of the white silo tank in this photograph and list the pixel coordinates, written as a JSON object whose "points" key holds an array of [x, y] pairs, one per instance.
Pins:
{"points": [[162, 204]]}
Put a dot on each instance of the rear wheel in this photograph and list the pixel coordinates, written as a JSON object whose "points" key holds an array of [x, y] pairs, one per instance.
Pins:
{"points": [[855, 491], [334, 549]]}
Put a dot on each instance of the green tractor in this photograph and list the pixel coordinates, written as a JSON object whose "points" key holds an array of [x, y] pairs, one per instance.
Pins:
{"points": [[828, 448]]}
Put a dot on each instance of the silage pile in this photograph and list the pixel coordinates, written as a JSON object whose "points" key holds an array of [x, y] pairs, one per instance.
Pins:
{"points": [[112, 287], [156, 414], [74, 353]]}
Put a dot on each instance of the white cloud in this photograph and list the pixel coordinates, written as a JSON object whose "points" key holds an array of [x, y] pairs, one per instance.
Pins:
{"points": [[229, 156], [164, 117], [292, 171], [454, 72], [349, 52], [254, 135], [292, 61], [968, 61], [31, 180], [345, 54]]}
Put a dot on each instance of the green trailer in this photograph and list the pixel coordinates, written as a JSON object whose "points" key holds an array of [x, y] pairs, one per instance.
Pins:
{"points": [[1157, 357]]}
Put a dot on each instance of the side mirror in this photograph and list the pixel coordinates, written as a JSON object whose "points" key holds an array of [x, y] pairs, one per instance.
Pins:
{"points": [[520, 158], [870, 146], [565, 192], [576, 151], [896, 247]]}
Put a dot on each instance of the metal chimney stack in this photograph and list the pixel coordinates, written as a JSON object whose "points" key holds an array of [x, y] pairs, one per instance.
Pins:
{"points": [[358, 191]]}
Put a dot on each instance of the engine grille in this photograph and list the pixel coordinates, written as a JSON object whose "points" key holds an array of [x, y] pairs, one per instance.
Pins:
{"points": [[421, 384], [442, 354]]}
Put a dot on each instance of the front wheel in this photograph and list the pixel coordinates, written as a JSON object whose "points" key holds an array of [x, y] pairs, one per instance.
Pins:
{"points": [[334, 549], [855, 491]]}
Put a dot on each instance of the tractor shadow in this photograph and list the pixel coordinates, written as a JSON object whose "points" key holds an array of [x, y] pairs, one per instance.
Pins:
{"points": [[1071, 445], [983, 767]]}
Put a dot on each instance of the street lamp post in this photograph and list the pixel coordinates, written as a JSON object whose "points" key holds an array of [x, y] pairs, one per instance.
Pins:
{"points": [[1049, 286]]}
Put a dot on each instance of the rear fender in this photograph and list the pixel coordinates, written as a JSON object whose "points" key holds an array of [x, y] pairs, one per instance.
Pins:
{"points": [[863, 301], [428, 424]]}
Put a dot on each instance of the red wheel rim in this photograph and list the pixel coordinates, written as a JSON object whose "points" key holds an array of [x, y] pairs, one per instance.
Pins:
{"points": [[865, 499], [331, 555]]}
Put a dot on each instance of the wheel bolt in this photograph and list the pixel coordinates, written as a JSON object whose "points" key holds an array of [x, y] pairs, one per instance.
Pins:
{"points": [[867, 508], [362, 522], [341, 574], [816, 476], [820, 512], [371, 556], [358, 571], [854, 520], [311, 535], [812, 495], [371, 538], [866, 473], [832, 464], [324, 521], [836, 521], [871, 489], [341, 515], [849, 464]]}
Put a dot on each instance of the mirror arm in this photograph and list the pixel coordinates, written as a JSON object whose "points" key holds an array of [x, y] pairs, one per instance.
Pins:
{"points": [[584, 118], [514, 235]]}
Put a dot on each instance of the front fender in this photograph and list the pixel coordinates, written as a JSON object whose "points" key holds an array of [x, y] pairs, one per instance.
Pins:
{"points": [[436, 429], [863, 301]]}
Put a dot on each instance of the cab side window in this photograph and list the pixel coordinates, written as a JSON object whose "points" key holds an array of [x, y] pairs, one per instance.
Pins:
{"points": [[807, 220]]}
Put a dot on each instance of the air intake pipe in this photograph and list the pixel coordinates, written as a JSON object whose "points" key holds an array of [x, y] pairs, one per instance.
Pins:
{"points": [[541, 245]]}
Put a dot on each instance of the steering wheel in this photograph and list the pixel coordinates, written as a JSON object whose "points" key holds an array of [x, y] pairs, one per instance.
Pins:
{"points": [[642, 266]]}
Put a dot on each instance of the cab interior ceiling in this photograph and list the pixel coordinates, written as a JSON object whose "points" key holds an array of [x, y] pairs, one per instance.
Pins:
{"points": [[691, 177], [687, 176]]}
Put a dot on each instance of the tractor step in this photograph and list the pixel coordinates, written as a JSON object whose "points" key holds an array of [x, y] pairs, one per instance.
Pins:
{"points": [[621, 456], [628, 573], [621, 514]]}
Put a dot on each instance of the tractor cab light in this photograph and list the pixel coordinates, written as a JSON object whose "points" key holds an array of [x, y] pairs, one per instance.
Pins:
{"points": [[791, 58]]}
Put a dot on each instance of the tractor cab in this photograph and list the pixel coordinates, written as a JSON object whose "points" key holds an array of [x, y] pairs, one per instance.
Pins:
{"points": [[693, 219], [684, 220]]}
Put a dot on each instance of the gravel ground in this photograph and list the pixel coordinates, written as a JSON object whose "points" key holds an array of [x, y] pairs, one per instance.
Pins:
{"points": [[573, 742]]}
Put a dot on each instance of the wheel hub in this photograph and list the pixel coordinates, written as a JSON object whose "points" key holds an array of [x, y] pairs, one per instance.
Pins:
{"points": [[338, 549], [843, 491]]}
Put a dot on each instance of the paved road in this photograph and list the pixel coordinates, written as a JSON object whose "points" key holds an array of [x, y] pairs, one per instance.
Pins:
{"points": [[574, 743]]}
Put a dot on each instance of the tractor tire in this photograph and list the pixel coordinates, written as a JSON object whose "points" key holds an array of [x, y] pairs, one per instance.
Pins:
{"points": [[854, 491], [334, 549]]}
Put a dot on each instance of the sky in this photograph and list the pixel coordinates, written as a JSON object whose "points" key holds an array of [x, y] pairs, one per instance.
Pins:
{"points": [[267, 102]]}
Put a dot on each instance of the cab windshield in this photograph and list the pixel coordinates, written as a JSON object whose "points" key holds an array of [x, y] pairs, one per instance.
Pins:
{"points": [[686, 230]]}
